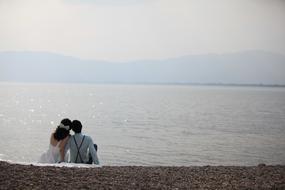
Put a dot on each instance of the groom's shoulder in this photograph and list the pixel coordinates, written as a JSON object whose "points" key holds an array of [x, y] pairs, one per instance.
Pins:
{"points": [[87, 137]]}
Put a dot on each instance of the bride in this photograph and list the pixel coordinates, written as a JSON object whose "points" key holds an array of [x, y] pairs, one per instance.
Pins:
{"points": [[58, 139]]}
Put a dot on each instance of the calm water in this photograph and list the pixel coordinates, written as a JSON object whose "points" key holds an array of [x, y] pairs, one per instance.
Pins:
{"points": [[149, 124]]}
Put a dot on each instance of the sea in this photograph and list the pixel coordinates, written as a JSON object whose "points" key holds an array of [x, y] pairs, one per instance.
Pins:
{"points": [[148, 125]]}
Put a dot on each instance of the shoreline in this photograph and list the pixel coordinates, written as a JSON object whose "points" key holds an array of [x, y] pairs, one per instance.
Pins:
{"points": [[16, 176]]}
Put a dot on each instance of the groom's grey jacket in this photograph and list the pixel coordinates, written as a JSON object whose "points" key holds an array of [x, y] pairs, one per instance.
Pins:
{"points": [[86, 148]]}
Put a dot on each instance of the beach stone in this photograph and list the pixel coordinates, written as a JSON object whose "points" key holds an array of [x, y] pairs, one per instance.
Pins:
{"points": [[261, 165]]}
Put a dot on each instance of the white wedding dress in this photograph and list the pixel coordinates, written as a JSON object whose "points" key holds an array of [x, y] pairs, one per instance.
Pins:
{"points": [[52, 155]]}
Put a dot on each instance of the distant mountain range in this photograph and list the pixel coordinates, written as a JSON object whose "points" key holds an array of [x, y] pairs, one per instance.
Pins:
{"points": [[249, 67]]}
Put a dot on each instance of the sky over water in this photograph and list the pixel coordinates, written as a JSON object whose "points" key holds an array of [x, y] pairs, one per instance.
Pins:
{"points": [[136, 29]]}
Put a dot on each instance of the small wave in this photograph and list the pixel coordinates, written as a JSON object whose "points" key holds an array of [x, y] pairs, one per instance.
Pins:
{"points": [[63, 164]]}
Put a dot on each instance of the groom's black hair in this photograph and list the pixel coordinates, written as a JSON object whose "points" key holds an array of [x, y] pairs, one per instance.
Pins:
{"points": [[76, 126]]}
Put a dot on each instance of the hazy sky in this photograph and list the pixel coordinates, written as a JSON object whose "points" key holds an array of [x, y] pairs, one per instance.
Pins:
{"points": [[141, 29]]}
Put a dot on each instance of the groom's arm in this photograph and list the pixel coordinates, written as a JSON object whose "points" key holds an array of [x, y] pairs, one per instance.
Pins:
{"points": [[93, 152]]}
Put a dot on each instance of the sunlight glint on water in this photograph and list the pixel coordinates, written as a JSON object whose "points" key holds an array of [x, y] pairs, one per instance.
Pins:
{"points": [[149, 124]]}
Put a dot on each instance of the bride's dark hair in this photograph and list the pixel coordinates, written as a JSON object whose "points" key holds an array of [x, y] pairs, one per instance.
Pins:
{"points": [[60, 133]]}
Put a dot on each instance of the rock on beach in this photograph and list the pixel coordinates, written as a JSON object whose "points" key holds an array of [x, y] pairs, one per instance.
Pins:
{"points": [[16, 176]]}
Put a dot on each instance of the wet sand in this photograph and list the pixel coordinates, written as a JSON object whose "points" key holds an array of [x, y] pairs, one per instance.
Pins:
{"points": [[15, 176]]}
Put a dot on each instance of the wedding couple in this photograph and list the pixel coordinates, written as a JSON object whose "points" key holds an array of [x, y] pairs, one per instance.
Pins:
{"points": [[80, 147]]}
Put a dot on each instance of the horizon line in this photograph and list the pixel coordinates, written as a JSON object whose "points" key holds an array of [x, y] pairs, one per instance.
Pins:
{"points": [[151, 83], [143, 59]]}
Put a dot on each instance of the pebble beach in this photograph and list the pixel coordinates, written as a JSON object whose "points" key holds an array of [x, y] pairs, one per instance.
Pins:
{"points": [[17, 176]]}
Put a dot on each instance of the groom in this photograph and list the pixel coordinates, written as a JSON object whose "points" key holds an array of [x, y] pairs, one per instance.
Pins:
{"points": [[81, 146]]}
